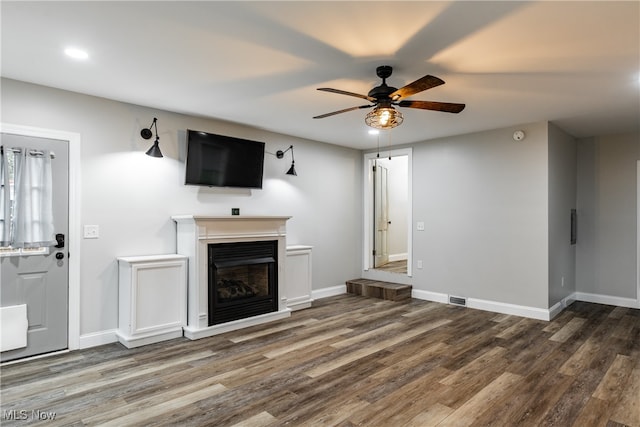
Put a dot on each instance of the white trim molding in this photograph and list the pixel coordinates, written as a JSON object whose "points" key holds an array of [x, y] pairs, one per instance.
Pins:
{"points": [[368, 202], [513, 309], [607, 300], [328, 292], [95, 339], [429, 296]]}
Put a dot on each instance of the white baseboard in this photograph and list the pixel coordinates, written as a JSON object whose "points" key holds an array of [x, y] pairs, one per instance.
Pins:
{"points": [[398, 257], [328, 292], [493, 306], [98, 338], [513, 309], [429, 296], [607, 300]]}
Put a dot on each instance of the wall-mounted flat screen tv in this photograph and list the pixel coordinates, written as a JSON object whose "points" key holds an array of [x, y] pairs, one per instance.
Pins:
{"points": [[223, 161]]}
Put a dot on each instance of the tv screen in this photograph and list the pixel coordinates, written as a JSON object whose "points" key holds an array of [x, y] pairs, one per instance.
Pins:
{"points": [[223, 161]]}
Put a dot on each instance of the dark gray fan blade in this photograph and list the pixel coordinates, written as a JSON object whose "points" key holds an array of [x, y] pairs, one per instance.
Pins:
{"points": [[424, 83], [447, 107], [344, 92], [322, 116]]}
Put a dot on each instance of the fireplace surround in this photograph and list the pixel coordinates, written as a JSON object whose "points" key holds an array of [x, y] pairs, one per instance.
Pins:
{"points": [[197, 236]]}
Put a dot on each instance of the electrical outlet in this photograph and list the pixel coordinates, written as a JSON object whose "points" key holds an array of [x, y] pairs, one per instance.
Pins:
{"points": [[91, 231], [420, 226], [420, 264]]}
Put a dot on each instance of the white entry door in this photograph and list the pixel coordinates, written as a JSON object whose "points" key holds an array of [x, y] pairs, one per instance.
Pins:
{"points": [[39, 278]]}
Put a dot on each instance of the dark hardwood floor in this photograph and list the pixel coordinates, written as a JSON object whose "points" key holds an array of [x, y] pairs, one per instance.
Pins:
{"points": [[352, 361]]}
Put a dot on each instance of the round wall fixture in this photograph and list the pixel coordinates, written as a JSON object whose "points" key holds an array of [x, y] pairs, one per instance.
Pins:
{"points": [[518, 135]]}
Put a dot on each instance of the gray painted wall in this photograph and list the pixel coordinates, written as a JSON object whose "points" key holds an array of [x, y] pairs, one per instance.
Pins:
{"points": [[131, 196], [562, 198], [492, 207], [484, 201], [606, 260]]}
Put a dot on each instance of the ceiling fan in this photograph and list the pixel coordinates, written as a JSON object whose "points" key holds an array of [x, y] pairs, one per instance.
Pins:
{"points": [[383, 98]]}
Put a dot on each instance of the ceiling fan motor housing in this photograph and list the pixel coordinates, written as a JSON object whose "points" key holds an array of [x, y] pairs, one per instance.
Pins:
{"points": [[382, 92]]}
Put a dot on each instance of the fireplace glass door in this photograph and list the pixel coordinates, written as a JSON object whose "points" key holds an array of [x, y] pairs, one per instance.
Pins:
{"points": [[242, 280]]}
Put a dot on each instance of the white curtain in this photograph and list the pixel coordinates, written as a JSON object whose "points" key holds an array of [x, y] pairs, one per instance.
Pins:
{"points": [[33, 206], [5, 201]]}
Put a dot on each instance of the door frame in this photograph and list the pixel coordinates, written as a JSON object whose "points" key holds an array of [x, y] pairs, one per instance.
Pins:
{"points": [[73, 239], [367, 210]]}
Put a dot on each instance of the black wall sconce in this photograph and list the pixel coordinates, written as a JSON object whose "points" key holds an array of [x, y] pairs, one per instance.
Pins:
{"points": [[154, 151], [292, 169]]}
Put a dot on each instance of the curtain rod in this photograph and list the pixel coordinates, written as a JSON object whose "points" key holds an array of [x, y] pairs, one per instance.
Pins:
{"points": [[31, 152]]}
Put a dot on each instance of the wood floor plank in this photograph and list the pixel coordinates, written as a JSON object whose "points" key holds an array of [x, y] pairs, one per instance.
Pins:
{"points": [[305, 343], [268, 331], [131, 375], [362, 352], [142, 415], [627, 411], [154, 400], [479, 403], [615, 379], [431, 417], [372, 363], [581, 359], [262, 419], [568, 330]]}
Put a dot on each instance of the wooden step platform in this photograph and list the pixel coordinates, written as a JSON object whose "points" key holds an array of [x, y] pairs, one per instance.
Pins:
{"points": [[377, 289]]}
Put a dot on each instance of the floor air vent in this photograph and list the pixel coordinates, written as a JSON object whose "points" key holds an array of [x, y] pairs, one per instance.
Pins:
{"points": [[462, 302]]}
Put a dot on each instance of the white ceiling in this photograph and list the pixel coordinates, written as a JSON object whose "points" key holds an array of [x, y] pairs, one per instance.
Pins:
{"points": [[576, 64]]}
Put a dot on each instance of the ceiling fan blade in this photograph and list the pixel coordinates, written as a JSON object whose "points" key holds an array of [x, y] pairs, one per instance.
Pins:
{"points": [[322, 116], [344, 92], [447, 107], [423, 83]]}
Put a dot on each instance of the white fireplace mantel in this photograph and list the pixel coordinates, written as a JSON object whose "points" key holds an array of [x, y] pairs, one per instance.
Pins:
{"points": [[194, 234]]}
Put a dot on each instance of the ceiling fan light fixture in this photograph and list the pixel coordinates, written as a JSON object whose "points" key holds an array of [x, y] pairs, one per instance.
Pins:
{"points": [[384, 118]]}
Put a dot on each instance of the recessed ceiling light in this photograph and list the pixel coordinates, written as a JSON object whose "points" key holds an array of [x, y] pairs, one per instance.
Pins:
{"points": [[76, 53], [373, 131]]}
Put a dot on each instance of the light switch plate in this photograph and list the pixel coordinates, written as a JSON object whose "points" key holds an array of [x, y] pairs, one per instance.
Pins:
{"points": [[91, 231]]}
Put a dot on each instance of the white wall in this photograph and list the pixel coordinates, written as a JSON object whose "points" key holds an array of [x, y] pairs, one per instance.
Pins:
{"points": [[484, 200], [607, 257], [562, 198], [132, 196]]}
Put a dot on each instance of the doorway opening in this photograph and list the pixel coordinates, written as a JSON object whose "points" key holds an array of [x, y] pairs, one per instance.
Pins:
{"points": [[387, 212], [72, 244]]}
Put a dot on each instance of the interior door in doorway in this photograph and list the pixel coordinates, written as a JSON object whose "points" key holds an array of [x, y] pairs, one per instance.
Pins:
{"points": [[381, 215], [40, 278]]}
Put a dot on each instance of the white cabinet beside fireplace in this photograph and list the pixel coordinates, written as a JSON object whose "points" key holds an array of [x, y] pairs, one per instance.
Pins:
{"points": [[152, 298], [298, 277]]}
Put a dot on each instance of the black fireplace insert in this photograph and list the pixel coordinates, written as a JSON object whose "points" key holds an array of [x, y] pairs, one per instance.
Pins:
{"points": [[243, 279]]}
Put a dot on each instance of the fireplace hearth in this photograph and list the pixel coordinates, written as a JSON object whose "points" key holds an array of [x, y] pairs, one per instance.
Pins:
{"points": [[242, 280]]}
